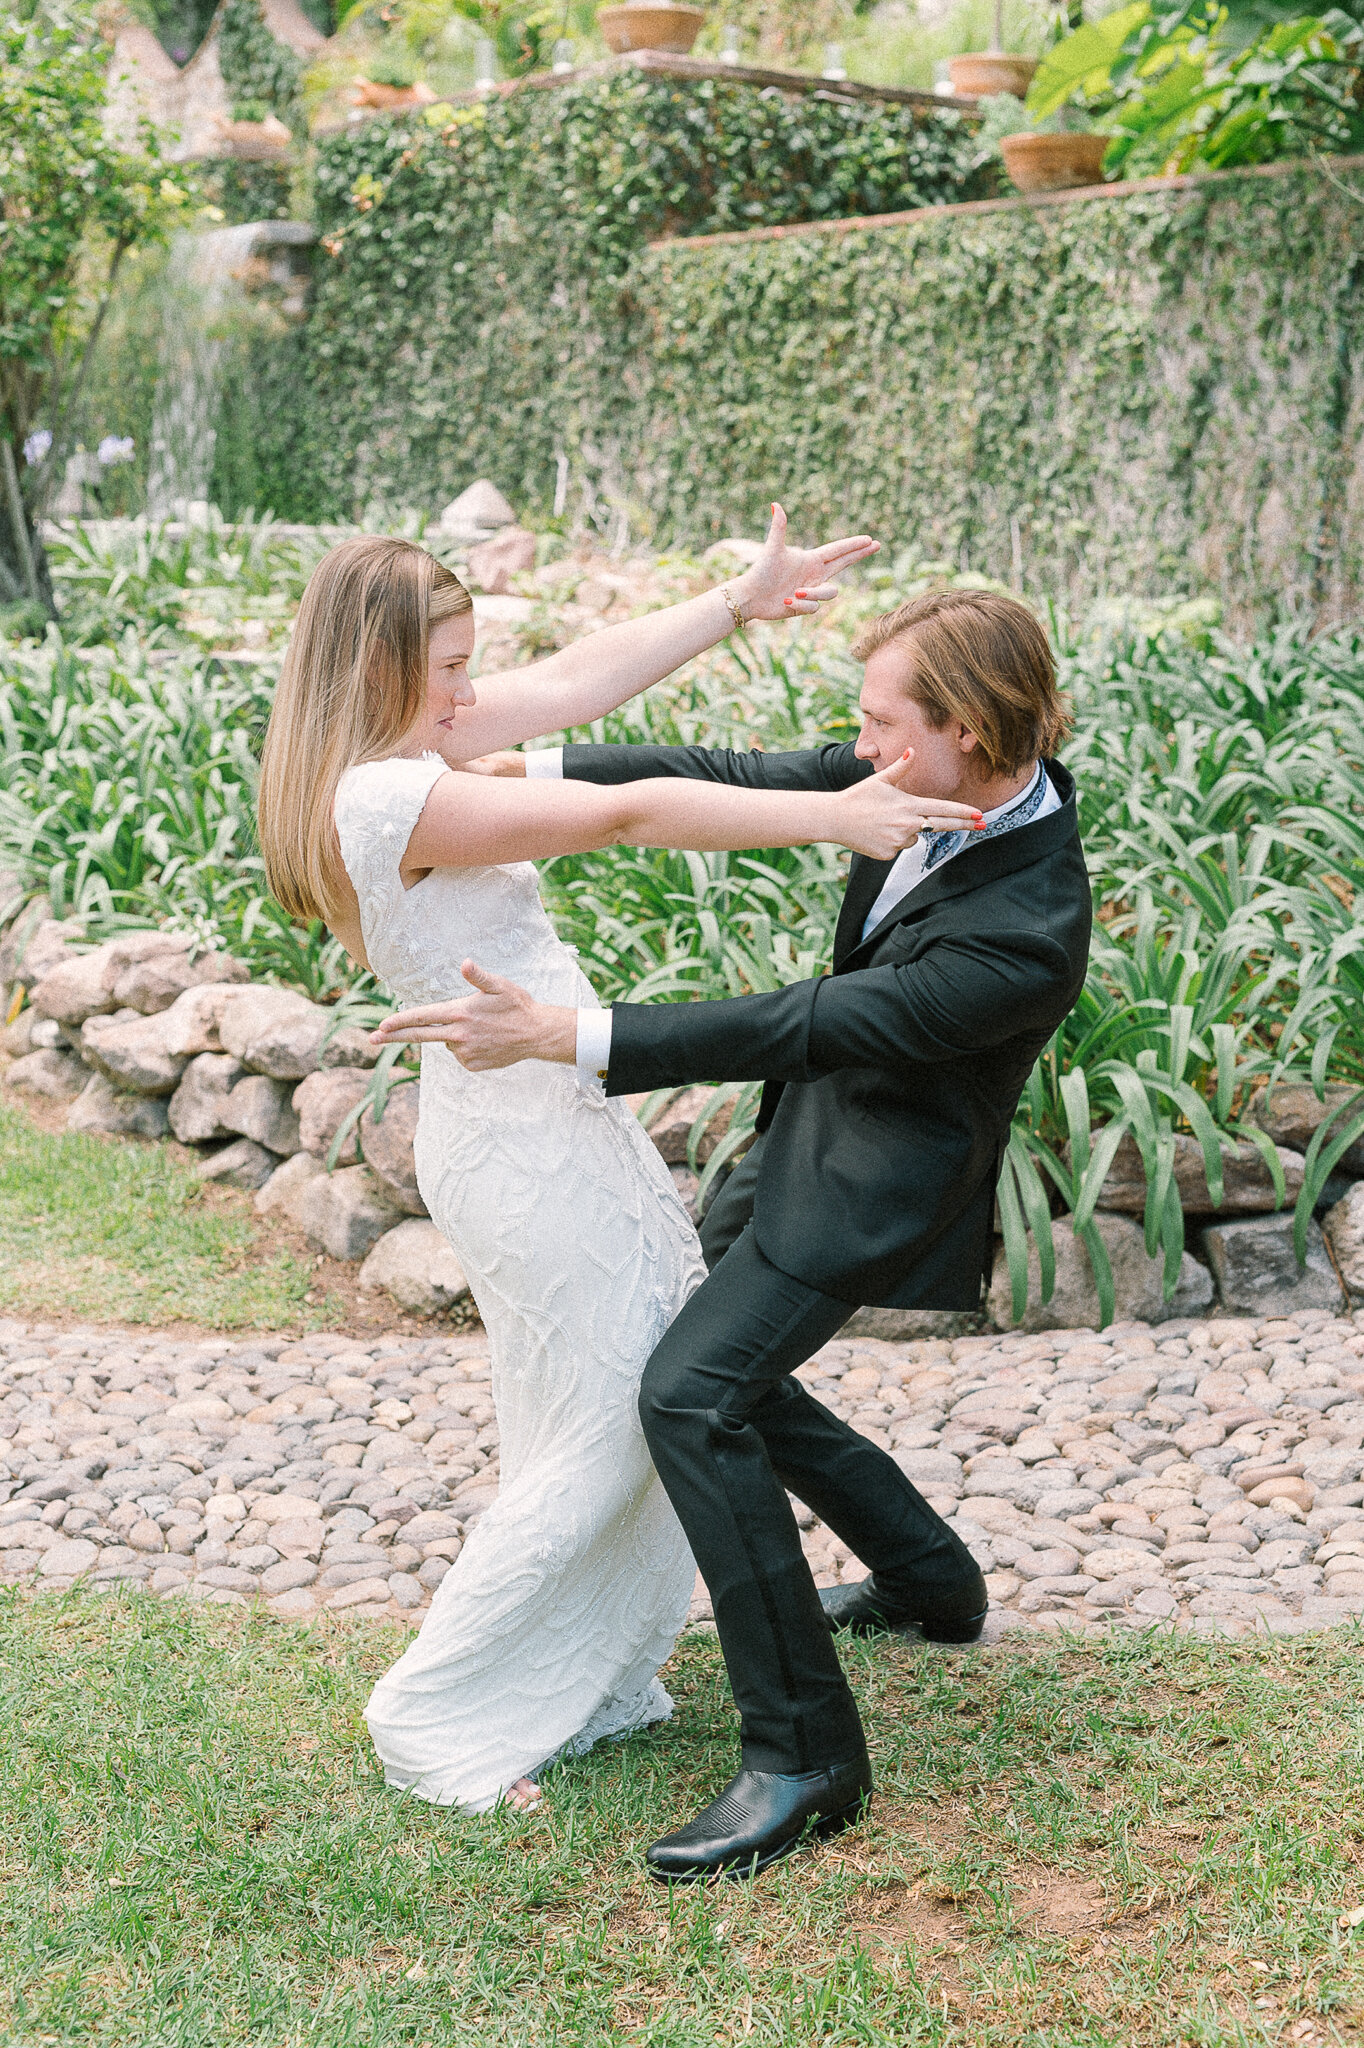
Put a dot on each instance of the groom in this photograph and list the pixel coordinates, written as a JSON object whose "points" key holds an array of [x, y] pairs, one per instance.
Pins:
{"points": [[891, 1086]]}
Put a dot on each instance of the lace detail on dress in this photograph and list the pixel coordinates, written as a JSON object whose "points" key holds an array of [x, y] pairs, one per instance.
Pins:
{"points": [[548, 1631]]}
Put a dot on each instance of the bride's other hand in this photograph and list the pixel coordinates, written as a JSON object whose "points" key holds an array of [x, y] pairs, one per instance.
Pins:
{"points": [[509, 762], [495, 1028], [790, 583], [879, 817]]}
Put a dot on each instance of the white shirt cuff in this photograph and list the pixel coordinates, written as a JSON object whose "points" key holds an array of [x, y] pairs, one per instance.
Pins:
{"points": [[594, 1045], [545, 764]]}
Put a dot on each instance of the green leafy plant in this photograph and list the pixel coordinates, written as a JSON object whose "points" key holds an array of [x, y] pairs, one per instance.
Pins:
{"points": [[262, 74], [64, 184], [1215, 82]]}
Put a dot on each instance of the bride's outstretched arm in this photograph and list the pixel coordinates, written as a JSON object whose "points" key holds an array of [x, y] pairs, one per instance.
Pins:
{"points": [[608, 668], [477, 821]]}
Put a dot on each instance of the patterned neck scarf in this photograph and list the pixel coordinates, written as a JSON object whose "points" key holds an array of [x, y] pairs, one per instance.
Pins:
{"points": [[1020, 812]]}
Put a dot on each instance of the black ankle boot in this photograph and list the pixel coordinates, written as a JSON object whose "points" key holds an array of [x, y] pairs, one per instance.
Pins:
{"points": [[758, 1818], [942, 1614]]}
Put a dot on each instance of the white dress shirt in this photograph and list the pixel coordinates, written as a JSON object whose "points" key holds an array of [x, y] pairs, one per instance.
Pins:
{"points": [[593, 1050]]}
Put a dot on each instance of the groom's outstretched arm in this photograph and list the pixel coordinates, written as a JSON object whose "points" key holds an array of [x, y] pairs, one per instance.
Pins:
{"points": [[831, 767]]}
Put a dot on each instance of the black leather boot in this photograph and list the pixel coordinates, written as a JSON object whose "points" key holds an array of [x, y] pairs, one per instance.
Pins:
{"points": [[941, 1615], [758, 1818]]}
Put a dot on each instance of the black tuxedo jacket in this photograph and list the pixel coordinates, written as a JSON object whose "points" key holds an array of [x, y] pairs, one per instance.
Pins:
{"points": [[891, 1082]]}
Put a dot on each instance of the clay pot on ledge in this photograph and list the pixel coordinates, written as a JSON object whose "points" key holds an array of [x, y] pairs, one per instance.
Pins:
{"points": [[1054, 163], [991, 71], [651, 25], [365, 92]]}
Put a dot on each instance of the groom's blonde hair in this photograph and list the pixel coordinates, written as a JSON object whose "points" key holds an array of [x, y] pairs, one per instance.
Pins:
{"points": [[352, 685]]}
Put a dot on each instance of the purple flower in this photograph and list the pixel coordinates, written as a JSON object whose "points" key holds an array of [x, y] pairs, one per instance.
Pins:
{"points": [[112, 449], [36, 447]]}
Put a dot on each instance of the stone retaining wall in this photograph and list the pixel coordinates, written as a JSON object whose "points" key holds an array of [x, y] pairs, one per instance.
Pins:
{"points": [[145, 1036]]}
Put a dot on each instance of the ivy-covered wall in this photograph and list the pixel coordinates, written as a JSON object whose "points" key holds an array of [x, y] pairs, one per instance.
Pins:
{"points": [[1155, 392], [473, 309]]}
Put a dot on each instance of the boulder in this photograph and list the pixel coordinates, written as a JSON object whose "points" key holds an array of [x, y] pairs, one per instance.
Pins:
{"points": [[416, 1267], [36, 943], [1291, 1113], [190, 1025], [77, 989], [350, 1047], [1247, 1187], [274, 1031], [1138, 1282], [131, 1051], [243, 1165], [284, 1184], [1343, 1229], [323, 1101], [1257, 1272], [58, 1075], [476, 513], [261, 1109], [387, 1147], [493, 563], [102, 1107], [155, 982], [197, 1106], [344, 1213]]}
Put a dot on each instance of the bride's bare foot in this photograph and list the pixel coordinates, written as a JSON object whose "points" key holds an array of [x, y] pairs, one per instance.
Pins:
{"points": [[523, 1795]]}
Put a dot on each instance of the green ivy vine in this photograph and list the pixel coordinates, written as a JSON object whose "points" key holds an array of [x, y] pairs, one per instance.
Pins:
{"points": [[262, 75]]}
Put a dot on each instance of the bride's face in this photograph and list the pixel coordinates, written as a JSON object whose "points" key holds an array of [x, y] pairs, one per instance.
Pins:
{"points": [[448, 687]]}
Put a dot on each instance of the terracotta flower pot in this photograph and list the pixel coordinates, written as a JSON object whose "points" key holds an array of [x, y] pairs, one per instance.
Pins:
{"points": [[990, 71], [1050, 163], [651, 25], [366, 93]]}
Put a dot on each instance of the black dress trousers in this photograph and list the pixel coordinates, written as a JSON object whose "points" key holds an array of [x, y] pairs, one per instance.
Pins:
{"points": [[731, 1434]]}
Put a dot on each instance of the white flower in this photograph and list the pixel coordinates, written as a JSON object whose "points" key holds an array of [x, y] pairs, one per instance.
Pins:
{"points": [[112, 449], [36, 447]]}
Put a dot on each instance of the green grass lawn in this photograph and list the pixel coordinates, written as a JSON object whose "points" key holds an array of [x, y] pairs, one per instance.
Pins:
{"points": [[1149, 1841], [123, 1231]]}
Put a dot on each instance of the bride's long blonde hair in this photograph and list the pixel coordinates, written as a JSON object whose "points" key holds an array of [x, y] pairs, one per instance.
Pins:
{"points": [[352, 684]]}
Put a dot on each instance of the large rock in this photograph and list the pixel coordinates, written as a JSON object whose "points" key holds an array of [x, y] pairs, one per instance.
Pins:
{"points": [[344, 1213], [1291, 1113], [261, 1109], [243, 1165], [77, 989], [414, 1264], [283, 1186], [1257, 1271], [323, 1101], [670, 1127], [274, 1031], [493, 563], [58, 1075], [117, 1114], [154, 982], [198, 1104], [1247, 1186], [1138, 1282], [190, 1025], [387, 1147], [132, 1051], [1343, 1228], [476, 513], [36, 943]]}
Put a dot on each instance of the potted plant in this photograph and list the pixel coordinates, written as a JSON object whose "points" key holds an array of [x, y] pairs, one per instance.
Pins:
{"points": [[1052, 155], [986, 73], [651, 25]]}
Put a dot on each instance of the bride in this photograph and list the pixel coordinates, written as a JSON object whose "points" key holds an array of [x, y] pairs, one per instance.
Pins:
{"points": [[548, 1632]]}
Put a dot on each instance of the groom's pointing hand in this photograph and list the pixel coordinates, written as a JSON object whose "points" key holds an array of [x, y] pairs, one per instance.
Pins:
{"points": [[495, 1028]]}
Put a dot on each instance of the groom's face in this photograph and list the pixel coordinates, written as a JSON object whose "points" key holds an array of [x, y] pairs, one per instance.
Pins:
{"points": [[892, 721]]}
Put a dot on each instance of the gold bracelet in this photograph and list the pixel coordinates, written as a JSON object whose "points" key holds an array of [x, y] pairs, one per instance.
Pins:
{"points": [[735, 609]]}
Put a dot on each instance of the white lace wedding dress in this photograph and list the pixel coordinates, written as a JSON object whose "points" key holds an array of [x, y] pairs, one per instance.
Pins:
{"points": [[548, 1631]]}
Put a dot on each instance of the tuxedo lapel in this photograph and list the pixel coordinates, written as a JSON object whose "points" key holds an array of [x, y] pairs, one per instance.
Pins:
{"points": [[973, 866], [865, 881]]}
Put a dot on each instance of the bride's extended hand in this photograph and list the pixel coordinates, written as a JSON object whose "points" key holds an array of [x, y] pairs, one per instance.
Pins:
{"points": [[881, 818], [495, 1028], [789, 583]]}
